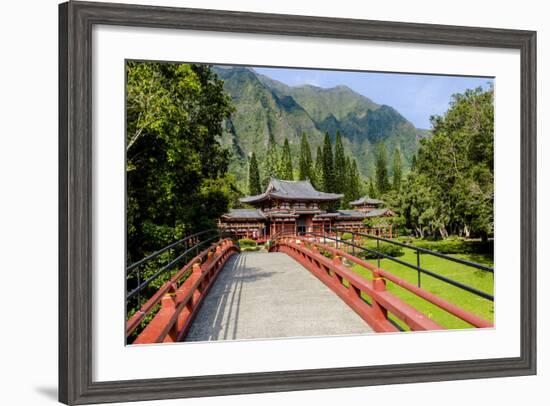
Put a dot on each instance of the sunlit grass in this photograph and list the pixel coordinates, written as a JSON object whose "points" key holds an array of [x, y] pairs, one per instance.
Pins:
{"points": [[481, 280]]}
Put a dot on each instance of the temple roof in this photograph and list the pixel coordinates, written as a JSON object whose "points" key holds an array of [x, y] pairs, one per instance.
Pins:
{"points": [[379, 212], [343, 214], [291, 190], [248, 214], [356, 214], [365, 200]]}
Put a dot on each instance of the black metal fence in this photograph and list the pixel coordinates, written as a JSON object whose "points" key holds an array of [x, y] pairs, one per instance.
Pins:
{"points": [[355, 248], [159, 266]]}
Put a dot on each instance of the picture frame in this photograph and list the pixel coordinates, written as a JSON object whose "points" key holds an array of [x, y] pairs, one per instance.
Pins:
{"points": [[76, 19]]}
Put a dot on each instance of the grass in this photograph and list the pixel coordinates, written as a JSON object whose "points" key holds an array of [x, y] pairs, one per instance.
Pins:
{"points": [[478, 279]]}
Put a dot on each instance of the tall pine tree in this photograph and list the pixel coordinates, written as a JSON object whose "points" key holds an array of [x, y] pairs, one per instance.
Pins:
{"points": [[286, 171], [328, 166], [317, 173], [372, 191], [339, 164], [271, 160], [381, 169], [397, 173], [306, 162], [355, 181], [254, 186], [347, 183]]}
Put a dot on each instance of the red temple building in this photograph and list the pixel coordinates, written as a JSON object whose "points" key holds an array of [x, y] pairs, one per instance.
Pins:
{"points": [[371, 207], [295, 206]]}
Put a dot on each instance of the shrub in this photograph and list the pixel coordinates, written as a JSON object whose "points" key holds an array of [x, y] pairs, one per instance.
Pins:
{"points": [[385, 248], [346, 236], [247, 243], [405, 239], [456, 246], [250, 248]]}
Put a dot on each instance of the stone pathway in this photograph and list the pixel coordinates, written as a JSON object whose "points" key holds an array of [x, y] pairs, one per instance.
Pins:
{"points": [[269, 295]]}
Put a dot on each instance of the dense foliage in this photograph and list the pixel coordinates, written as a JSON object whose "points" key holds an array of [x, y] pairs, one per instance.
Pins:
{"points": [[325, 174], [384, 248], [453, 245], [450, 189], [176, 167]]}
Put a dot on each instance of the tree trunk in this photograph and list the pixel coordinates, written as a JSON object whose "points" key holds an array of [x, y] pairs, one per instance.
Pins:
{"points": [[466, 231]]}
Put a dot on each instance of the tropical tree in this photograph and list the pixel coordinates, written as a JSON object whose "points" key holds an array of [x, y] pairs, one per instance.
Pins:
{"points": [[175, 166], [450, 190]]}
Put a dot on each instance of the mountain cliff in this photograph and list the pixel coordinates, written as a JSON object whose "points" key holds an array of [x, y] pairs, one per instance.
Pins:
{"points": [[264, 106]]}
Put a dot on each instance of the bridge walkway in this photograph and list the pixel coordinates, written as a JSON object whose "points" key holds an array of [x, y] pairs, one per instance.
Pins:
{"points": [[270, 295]]}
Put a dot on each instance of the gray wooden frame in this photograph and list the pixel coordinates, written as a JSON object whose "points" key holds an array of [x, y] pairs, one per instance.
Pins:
{"points": [[75, 200]]}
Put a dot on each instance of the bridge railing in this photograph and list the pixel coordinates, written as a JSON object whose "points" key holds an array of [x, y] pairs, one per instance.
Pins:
{"points": [[354, 245], [338, 273], [165, 271]]}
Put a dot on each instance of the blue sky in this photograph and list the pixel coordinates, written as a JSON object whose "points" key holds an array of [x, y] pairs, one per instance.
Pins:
{"points": [[416, 97]]}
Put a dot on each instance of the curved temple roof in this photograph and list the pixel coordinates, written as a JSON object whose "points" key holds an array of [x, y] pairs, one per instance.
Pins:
{"points": [[244, 214], [365, 200], [291, 190]]}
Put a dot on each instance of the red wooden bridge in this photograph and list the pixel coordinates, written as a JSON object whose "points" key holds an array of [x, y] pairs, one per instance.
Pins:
{"points": [[301, 285]]}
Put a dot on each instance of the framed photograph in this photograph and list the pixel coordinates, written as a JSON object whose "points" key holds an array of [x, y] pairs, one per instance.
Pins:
{"points": [[260, 202]]}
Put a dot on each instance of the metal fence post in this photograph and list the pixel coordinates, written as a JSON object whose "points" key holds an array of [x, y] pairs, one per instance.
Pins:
{"points": [[418, 265], [378, 252], [139, 286]]}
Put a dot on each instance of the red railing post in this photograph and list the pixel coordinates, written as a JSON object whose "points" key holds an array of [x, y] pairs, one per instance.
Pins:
{"points": [[168, 307], [379, 285], [209, 256], [196, 273], [178, 305], [337, 261]]}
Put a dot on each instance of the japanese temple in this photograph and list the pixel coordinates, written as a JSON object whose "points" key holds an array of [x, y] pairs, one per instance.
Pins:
{"points": [[295, 206], [371, 207]]}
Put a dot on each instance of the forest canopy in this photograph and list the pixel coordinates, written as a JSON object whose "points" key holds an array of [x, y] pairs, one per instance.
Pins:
{"points": [[176, 169], [450, 187]]}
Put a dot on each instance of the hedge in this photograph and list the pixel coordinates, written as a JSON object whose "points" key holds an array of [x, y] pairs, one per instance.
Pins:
{"points": [[385, 248], [247, 243]]}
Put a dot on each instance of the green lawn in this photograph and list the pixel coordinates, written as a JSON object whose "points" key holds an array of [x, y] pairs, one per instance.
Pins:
{"points": [[480, 280]]}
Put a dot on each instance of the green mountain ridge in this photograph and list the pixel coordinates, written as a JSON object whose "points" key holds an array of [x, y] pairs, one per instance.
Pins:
{"points": [[264, 106]]}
